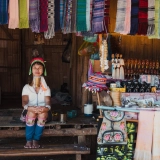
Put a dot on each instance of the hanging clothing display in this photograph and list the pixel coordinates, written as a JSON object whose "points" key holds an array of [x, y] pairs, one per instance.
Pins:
{"points": [[23, 14], [134, 16], [50, 33], [73, 16], [57, 15], [43, 15], [106, 15], [3, 11], [13, 10], [81, 15], [34, 19], [98, 15]]}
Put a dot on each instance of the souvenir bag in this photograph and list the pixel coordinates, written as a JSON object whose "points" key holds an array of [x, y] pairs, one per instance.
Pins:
{"points": [[113, 128]]}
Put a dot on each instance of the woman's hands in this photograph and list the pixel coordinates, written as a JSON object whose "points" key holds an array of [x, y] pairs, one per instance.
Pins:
{"points": [[38, 110]]}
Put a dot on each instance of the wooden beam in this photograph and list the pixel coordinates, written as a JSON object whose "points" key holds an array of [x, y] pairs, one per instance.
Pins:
{"points": [[4, 39], [51, 132], [6, 32]]}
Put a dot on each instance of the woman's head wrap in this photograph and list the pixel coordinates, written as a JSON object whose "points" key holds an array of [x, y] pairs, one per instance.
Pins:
{"points": [[40, 60]]}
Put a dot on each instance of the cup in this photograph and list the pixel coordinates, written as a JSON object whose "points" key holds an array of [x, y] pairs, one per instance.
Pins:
{"points": [[63, 118], [88, 109]]}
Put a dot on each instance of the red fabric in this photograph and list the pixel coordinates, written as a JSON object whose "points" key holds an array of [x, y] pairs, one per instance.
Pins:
{"points": [[37, 59], [106, 15], [143, 17], [43, 15]]}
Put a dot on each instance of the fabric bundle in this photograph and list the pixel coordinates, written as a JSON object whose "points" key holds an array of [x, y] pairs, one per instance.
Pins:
{"points": [[151, 17], [43, 15], [51, 21], [34, 19], [134, 16], [106, 15], [23, 14], [120, 16], [3, 11], [143, 17], [98, 16], [127, 23], [57, 15], [81, 15], [13, 10]]}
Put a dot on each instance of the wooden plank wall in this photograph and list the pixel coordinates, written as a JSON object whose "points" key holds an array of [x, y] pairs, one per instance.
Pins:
{"points": [[10, 61]]}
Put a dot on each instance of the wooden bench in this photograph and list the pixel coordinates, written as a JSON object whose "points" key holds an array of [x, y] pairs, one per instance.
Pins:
{"points": [[79, 127]]}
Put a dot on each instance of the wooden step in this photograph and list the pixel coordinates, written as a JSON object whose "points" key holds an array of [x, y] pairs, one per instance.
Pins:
{"points": [[46, 150]]}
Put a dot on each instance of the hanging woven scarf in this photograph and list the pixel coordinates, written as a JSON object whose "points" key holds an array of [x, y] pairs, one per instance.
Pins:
{"points": [[120, 16], [151, 17], [67, 19], [34, 19], [13, 14], [61, 12], [57, 15], [134, 16], [143, 17], [81, 15], [106, 15], [98, 16], [50, 33], [127, 22], [3, 11], [73, 16], [23, 14], [43, 15], [157, 21], [64, 14], [88, 16]]}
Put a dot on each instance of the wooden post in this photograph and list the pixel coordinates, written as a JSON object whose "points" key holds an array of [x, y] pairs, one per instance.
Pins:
{"points": [[78, 156], [100, 111]]}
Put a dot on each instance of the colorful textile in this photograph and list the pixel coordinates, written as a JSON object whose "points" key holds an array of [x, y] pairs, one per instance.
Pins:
{"points": [[81, 15], [57, 15], [144, 136], [23, 14], [34, 19], [73, 16], [120, 16], [61, 12], [143, 17], [151, 17], [98, 16], [106, 15], [43, 15], [13, 10], [127, 22], [3, 11], [67, 19], [156, 137], [50, 33], [88, 16], [156, 21], [134, 16]]}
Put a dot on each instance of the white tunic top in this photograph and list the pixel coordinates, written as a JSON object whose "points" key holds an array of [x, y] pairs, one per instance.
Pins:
{"points": [[35, 99]]}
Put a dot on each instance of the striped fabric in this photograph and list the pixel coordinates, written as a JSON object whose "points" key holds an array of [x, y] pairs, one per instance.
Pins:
{"points": [[98, 16], [120, 16], [43, 15], [106, 15], [143, 17], [151, 17], [81, 15], [34, 19], [50, 33], [3, 11], [134, 16]]}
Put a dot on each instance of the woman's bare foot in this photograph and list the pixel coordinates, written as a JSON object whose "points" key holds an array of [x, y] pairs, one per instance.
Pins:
{"points": [[28, 144], [35, 144]]}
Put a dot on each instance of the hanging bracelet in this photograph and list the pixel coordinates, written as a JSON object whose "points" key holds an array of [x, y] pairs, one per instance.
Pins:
{"points": [[25, 107], [48, 106]]}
